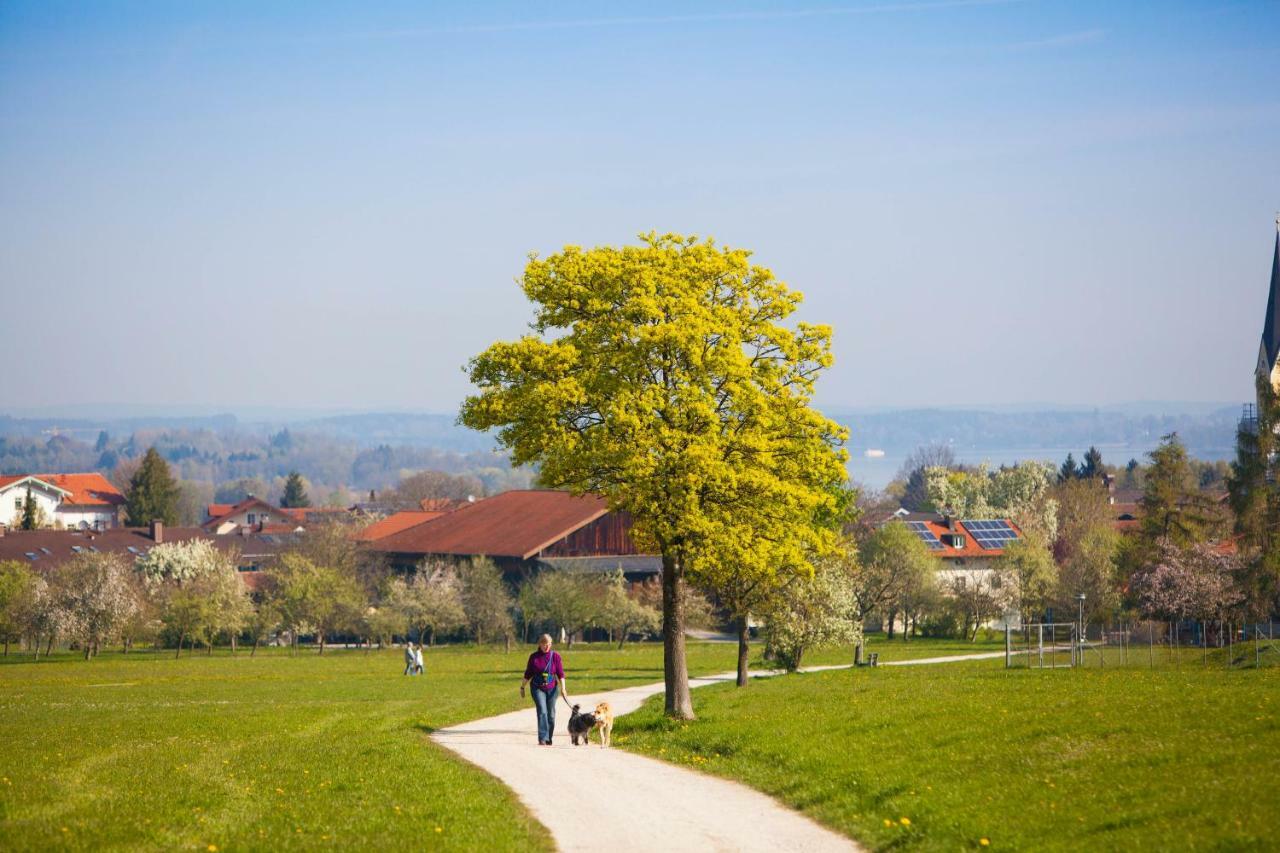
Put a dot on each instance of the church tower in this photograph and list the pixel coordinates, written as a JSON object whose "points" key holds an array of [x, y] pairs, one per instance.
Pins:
{"points": [[1269, 350]]}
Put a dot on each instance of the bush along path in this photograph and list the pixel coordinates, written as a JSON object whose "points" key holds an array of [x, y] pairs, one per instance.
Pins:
{"points": [[596, 799]]}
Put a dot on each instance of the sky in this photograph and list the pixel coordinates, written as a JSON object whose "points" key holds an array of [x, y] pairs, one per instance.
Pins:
{"points": [[327, 205]]}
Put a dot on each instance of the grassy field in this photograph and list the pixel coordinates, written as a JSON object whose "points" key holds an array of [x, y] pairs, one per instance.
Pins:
{"points": [[272, 752], [943, 757]]}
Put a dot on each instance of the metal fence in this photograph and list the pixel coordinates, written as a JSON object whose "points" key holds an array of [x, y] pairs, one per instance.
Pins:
{"points": [[1226, 645]]}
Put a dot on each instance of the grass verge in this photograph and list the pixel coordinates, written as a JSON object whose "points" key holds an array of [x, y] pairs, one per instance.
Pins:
{"points": [[942, 757]]}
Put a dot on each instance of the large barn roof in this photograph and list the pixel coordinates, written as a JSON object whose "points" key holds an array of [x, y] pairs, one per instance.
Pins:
{"points": [[512, 524]]}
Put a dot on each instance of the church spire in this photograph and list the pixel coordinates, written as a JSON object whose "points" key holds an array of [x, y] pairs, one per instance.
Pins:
{"points": [[1271, 324]]}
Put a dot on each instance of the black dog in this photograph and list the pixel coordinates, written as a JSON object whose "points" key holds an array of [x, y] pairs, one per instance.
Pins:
{"points": [[580, 725]]}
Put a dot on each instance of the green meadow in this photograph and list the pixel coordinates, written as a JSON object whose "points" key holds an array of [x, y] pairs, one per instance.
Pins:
{"points": [[271, 752], [307, 751], [970, 755]]}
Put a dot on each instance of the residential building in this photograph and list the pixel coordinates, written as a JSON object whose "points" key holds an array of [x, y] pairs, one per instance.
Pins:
{"points": [[250, 514], [968, 549], [45, 550], [69, 501]]}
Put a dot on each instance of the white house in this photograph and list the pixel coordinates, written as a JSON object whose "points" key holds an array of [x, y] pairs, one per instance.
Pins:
{"points": [[71, 501]]}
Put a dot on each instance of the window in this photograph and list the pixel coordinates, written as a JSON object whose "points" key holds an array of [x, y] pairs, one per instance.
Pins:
{"points": [[134, 551], [17, 503], [31, 555], [46, 551], [959, 582], [251, 517], [77, 549]]}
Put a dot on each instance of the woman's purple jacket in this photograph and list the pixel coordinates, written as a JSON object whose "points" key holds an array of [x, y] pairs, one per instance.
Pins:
{"points": [[538, 664]]}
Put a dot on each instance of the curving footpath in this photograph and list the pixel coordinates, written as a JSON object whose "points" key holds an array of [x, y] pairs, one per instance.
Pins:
{"points": [[595, 799]]}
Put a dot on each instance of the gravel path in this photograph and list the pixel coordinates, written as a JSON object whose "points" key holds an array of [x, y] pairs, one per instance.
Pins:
{"points": [[595, 799]]}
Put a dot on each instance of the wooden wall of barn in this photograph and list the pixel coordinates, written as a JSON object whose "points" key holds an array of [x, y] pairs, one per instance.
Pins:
{"points": [[607, 536]]}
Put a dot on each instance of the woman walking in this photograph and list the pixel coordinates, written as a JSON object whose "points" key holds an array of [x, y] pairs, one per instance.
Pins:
{"points": [[546, 671]]}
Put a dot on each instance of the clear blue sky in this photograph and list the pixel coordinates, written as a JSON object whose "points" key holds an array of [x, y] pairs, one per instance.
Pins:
{"points": [[309, 204]]}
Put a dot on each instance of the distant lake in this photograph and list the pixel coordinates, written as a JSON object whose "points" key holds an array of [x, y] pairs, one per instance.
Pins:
{"points": [[878, 472]]}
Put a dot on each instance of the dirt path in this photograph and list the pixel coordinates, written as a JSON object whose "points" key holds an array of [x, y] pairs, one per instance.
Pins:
{"points": [[595, 799]]}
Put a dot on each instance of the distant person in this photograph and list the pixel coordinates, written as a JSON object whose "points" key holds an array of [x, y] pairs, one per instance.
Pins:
{"points": [[417, 661], [546, 671], [410, 658]]}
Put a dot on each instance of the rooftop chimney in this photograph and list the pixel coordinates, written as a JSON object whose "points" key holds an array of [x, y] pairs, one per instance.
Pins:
{"points": [[157, 531]]}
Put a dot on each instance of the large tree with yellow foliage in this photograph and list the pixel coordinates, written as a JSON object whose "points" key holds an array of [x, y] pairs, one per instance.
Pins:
{"points": [[662, 377]]}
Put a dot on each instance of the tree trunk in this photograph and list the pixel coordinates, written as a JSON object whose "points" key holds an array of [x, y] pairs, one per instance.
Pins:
{"points": [[744, 650], [893, 615], [321, 633], [233, 642], [178, 653], [48, 648], [254, 650], [209, 647], [506, 643], [675, 669], [860, 650], [6, 646], [88, 651]]}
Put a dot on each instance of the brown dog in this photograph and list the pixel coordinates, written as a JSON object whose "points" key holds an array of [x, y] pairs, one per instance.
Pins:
{"points": [[604, 722]]}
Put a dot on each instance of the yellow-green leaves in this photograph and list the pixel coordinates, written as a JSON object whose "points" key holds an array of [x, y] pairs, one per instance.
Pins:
{"points": [[666, 380]]}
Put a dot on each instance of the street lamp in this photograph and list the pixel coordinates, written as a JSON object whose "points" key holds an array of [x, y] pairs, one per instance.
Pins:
{"points": [[1080, 624]]}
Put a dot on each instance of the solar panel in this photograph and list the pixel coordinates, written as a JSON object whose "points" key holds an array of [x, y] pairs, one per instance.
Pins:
{"points": [[77, 549], [31, 555], [990, 533], [920, 529], [134, 551]]}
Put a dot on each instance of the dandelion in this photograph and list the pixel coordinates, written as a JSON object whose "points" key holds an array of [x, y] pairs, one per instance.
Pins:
{"points": [[985, 842], [279, 790], [212, 848], [905, 821], [439, 829], [888, 822]]}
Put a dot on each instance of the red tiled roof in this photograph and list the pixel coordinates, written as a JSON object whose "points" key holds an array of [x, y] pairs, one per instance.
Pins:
{"points": [[512, 524], [217, 510], [9, 479], [91, 489], [395, 523], [247, 503]]}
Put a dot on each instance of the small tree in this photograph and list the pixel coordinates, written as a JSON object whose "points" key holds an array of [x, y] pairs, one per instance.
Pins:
{"points": [[980, 594], [1092, 569], [96, 588], [1068, 471], [18, 595], [486, 600], [295, 492], [152, 492], [812, 612], [30, 512], [1092, 466], [893, 561], [623, 613], [431, 601], [1029, 565], [564, 599]]}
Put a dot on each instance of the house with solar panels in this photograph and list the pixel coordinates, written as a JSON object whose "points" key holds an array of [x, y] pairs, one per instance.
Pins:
{"points": [[968, 548]]}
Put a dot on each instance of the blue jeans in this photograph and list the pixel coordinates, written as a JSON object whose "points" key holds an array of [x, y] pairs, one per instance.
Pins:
{"points": [[546, 704]]}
